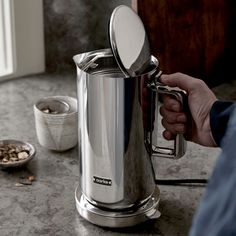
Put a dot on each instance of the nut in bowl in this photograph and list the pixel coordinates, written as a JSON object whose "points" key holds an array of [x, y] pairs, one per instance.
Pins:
{"points": [[56, 122], [14, 153], [53, 106]]}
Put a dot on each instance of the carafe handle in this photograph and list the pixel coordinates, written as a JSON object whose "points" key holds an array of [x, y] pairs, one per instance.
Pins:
{"points": [[180, 143]]}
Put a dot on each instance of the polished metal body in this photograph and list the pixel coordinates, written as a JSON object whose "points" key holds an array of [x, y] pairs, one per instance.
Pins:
{"points": [[116, 170], [118, 219], [115, 116]]}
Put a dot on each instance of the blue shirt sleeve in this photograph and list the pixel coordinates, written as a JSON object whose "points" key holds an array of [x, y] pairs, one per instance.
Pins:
{"points": [[219, 117], [216, 215]]}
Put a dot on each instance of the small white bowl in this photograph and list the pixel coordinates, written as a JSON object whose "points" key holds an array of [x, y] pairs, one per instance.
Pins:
{"points": [[57, 131], [27, 146]]}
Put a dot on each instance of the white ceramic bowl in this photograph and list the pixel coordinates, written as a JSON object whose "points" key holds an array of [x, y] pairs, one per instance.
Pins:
{"points": [[58, 131]]}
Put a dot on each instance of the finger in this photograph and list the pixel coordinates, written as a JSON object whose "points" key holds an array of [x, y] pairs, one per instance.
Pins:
{"points": [[168, 135], [171, 104], [180, 80], [174, 128], [173, 117]]}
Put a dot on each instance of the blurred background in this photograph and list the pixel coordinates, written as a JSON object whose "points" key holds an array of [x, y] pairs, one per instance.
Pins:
{"points": [[75, 26], [193, 37], [44, 35]]}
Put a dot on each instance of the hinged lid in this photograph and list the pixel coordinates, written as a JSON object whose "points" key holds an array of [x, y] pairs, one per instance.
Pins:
{"points": [[129, 41]]}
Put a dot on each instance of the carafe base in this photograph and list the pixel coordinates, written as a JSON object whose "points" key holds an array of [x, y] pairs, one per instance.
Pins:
{"points": [[114, 219]]}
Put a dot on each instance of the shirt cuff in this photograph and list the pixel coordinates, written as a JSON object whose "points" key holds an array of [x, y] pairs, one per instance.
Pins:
{"points": [[219, 117]]}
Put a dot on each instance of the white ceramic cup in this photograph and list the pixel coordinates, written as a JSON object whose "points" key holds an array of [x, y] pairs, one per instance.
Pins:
{"points": [[56, 122]]}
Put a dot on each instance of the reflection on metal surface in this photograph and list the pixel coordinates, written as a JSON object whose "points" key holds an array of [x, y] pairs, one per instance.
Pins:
{"points": [[129, 41], [118, 219], [115, 114], [112, 134]]}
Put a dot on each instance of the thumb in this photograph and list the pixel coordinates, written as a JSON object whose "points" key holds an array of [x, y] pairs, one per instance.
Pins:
{"points": [[179, 80]]}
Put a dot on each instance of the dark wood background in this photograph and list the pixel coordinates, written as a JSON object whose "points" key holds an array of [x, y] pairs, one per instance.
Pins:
{"points": [[197, 37]]}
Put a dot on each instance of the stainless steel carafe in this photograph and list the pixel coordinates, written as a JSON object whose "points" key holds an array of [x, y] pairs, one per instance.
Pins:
{"points": [[116, 116]]}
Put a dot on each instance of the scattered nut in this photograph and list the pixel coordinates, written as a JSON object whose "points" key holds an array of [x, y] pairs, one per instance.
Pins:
{"points": [[19, 184], [25, 182], [31, 178]]}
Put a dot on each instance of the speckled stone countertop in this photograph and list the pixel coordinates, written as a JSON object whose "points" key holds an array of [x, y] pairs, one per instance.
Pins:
{"points": [[47, 207]]}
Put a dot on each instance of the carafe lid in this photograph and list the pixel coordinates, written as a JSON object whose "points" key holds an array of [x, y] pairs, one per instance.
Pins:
{"points": [[129, 41]]}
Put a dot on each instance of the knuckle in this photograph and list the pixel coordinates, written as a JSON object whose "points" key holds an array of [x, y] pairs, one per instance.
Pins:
{"points": [[180, 128], [165, 99], [178, 74], [163, 123], [162, 108], [199, 83], [168, 116], [172, 104], [169, 127], [171, 118]]}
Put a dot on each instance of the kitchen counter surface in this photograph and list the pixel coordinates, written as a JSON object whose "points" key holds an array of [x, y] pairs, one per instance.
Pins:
{"points": [[47, 207]]}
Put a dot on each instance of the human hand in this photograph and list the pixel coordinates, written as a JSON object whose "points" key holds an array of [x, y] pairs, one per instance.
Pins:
{"points": [[196, 125]]}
